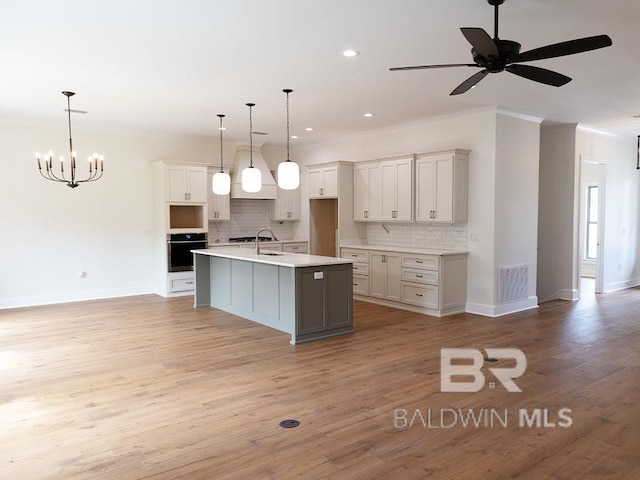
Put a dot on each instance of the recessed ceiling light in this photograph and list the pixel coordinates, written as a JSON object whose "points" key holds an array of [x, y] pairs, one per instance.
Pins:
{"points": [[309, 129], [367, 115], [350, 53], [294, 136]]}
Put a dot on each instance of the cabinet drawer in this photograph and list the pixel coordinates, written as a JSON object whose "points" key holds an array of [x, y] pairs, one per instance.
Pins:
{"points": [[416, 275], [295, 247], [416, 260], [420, 295], [270, 246], [360, 268], [181, 284], [359, 255], [361, 285]]}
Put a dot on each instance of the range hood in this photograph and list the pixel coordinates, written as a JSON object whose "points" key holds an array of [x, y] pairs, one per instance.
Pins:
{"points": [[269, 190]]}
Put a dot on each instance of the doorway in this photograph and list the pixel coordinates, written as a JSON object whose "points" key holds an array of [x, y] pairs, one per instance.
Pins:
{"points": [[323, 225], [591, 233]]}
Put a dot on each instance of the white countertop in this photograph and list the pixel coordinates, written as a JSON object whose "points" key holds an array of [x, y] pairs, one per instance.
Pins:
{"points": [[391, 248], [283, 259]]}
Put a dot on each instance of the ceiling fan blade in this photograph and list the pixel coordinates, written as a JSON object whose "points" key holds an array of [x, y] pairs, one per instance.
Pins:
{"points": [[446, 65], [470, 82], [538, 74], [481, 41], [570, 47]]}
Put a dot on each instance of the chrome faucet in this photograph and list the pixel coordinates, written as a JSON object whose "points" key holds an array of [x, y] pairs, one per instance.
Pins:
{"points": [[258, 238]]}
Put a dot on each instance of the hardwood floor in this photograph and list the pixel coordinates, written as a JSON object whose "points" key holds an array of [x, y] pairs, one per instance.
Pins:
{"points": [[150, 388]]}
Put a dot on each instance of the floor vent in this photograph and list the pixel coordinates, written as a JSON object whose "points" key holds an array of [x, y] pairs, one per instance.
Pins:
{"points": [[513, 283]]}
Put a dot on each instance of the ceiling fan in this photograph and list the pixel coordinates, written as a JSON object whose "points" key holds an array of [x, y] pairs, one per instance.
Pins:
{"points": [[495, 55]]}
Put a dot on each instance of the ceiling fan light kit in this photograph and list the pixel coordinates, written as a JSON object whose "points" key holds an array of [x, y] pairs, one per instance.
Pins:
{"points": [[495, 55]]}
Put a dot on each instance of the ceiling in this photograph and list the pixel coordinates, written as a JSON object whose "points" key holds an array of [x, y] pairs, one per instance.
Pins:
{"points": [[169, 66]]}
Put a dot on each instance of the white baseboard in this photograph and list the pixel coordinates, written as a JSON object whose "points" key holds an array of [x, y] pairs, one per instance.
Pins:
{"points": [[499, 310], [74, 297], [565, 294], [612, 287]]}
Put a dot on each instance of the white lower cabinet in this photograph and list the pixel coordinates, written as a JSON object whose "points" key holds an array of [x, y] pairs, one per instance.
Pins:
{"points": [[295, 247], [435, 284], [384, 275], [360, 269], [180, 282]]}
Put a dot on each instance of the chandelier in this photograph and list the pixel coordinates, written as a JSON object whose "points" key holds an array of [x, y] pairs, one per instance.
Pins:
{"points": [[71, 181]]}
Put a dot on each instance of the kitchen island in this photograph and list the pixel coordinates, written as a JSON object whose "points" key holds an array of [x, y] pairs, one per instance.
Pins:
{"points": [[307, 296]]}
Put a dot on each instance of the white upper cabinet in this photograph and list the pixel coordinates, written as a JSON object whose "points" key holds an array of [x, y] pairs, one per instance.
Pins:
{"points": [[287, 206], [367, 196], [383, 191], [219, 206], [186, 184], [397, 189], [323, 182], [441, 186]]}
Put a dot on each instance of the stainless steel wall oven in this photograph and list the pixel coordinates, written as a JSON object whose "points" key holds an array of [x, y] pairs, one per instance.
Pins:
{"points": [[179, 246]]}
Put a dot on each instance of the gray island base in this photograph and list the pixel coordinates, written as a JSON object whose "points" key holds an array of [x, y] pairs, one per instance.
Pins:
{"points": [[307, 296]]}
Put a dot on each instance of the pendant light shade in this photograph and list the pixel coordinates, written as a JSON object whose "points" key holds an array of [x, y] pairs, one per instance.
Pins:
{"points": [[288, 171], [251, 176], [251, 180], [221, 183]]}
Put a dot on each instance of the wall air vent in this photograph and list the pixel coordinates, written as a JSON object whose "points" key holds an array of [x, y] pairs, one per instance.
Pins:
{"points": [[513, 283]]}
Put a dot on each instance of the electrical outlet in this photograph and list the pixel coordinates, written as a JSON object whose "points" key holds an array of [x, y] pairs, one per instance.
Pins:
{"points": [[437, 235], [474, 237]]}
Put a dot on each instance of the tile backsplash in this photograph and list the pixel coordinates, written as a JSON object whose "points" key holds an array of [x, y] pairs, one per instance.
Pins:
{"points": [[247, 216], [439, 237]]}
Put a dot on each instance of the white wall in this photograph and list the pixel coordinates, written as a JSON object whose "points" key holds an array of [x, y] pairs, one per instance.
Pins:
{"points": [[621, 266], [516, 202], [51, 232], [477, 131], [563, 148], [556, 241]]}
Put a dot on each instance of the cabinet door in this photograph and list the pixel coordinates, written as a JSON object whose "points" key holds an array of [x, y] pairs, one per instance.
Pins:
{"points": [[176, 183], [388, 191], [444, 189], [360, 193], [374, 176], [330, 182], [394, 276], [404, 190], [222, 207], [315, 183], [377, 275], [218, 206], [197, 184], [425, 189], [294, 204]]}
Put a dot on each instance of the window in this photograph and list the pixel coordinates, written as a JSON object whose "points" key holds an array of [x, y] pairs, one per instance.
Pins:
{"points": [[592, 222]]}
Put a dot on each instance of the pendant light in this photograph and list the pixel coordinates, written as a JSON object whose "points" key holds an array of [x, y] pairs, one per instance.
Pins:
{"points": [[288, 171], [251, 176], [221, 183]]}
